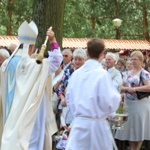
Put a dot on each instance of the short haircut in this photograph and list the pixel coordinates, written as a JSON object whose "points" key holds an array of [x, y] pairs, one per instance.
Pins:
{"points": [[79, 52], [112, 55], [139, 54], [95, 46], [4, 53], [68, 50]]}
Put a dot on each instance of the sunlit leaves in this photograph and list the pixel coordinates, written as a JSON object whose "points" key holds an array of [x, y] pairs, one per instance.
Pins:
{"points": [[78, 18]]}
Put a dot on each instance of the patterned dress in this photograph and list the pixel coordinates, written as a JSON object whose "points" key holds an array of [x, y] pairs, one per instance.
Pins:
{"points": [[134, 81], [136, 128], [64, 81]]}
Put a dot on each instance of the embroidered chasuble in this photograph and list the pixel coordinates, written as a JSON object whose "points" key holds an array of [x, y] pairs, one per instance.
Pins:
{"points": [[22, 95]]}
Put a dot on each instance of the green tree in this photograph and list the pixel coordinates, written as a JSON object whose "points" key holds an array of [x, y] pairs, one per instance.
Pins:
{"points": [[12, 14], [134, 14], [83, 18], [48, 13]]}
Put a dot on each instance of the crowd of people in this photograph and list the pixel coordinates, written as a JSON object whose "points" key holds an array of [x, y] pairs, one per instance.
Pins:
{"points": [[65, 102], [138, 110], [125, 72]]}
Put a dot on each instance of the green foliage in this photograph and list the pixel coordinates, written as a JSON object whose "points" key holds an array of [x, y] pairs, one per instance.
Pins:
{"points": [[18, 10], [120, 110], [78, 17]]}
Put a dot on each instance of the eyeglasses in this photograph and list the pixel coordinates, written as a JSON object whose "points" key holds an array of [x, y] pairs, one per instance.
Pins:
{"points": [[134, 59], [65, 55]]}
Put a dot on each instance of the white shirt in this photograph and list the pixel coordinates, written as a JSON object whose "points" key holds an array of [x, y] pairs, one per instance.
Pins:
{"points": [[116, 77], [65, 66]]}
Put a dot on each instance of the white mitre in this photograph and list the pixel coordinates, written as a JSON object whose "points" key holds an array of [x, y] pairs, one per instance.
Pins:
{"points": [[27, 34]]}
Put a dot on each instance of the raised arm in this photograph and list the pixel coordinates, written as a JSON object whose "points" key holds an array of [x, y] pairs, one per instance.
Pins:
{"points": [[55, 57]]}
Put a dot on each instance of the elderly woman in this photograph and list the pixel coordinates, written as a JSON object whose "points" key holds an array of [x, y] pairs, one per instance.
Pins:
{"points": [[79, 57], [136, 128]]}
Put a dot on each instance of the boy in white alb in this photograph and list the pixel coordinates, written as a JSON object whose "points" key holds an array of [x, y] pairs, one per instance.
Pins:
{"points": [[91, 97]]}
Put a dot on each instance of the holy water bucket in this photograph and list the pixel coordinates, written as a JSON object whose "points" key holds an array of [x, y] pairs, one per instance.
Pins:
{"points": [[118, 121]]}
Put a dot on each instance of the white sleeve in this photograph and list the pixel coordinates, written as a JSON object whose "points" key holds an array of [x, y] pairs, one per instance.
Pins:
{"points": [[109, 97], [117, 81], [55, 58]]}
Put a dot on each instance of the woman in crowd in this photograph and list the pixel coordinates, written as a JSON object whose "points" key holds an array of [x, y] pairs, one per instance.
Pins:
{"points": [[129, 65], [136, 128], [121, 65], [79, 57]]}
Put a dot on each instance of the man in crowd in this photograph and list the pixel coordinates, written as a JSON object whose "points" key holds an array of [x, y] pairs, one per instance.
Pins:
{"points": [[59, 87], [68, 70], [67, 57], [110, 61]]}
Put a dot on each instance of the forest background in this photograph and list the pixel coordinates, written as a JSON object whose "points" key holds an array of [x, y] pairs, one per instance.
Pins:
{"points": [[78, 18]]}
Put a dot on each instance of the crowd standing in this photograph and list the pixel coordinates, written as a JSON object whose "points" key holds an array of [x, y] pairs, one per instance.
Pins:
{"points": [[136, 128], [65, 103]]}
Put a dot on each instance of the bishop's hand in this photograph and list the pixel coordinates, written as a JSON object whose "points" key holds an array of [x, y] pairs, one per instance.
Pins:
{"points": [[51, 35]]}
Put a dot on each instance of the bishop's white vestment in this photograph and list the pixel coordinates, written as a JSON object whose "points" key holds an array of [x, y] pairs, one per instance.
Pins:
{"points": [[26, 99]]}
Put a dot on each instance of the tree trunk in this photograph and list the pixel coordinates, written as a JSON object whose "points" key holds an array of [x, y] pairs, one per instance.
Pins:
{"points": [[145, 23], [115, 9], [93, 19], [9, 10], [48, 13]]}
